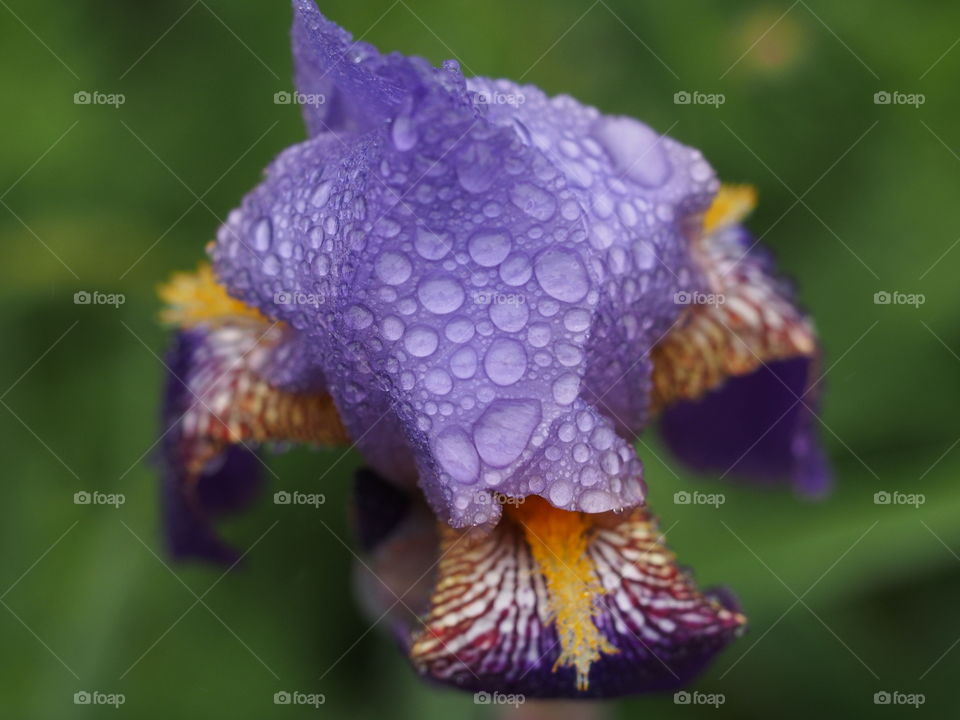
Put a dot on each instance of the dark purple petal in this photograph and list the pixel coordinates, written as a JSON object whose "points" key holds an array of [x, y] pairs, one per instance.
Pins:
{"points": [[758, 426], [227, 485]]}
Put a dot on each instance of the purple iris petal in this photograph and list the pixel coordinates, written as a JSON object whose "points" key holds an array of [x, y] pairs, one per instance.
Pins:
{"points": [[754, 426], [228, 484], [489, 275]]}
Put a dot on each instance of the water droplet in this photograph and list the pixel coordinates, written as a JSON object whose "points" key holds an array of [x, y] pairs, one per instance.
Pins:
{"points": [[262, 234], [430, 245], [505, 361], [516, 270], [597, 501], [463, 363], [576, 320], [489, 249], [503, 431], [566, 388], [534, 201], [441, 294], [509, 317], [321, 193], [438, 381], [560, 493], [590, 476], [635, 149], [460, 330], [561, 274], [393, 268], [358, 317], [456, 455], [392, 328], [404, 133], [539, 335], [581, 453], [644, 255], [420, 341], [477, 168]]}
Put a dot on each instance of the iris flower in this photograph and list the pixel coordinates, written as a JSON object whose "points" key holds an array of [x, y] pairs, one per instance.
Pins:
{"points": [[490, 292]]}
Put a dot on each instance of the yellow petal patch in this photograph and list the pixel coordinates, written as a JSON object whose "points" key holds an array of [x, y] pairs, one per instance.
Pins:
{"points": [[198, 297], [731, 205], [558, 541]]}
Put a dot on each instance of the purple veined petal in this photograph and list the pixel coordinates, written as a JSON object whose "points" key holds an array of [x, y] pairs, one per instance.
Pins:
{"points": [[497, 614]]}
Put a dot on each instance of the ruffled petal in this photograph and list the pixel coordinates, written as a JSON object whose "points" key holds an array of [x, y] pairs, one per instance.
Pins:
{"points": [[483, 299]]}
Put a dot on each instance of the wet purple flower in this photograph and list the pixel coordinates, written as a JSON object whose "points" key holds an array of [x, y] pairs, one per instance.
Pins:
{"points": [[490, 292]]}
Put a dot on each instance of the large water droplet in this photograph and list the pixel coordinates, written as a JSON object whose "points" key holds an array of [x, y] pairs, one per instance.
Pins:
{"points": [[477, 169], [505, 361], [457, 455], [393, 268], [565, 389], [516, 270], [441, 295], [561, 274], [503, 431], [420, 341], [489, 249], [438, 381], [636, 150], [597, 501]]}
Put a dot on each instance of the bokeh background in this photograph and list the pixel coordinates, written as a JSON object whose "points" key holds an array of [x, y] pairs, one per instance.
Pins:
{"points": [[846, 597]]}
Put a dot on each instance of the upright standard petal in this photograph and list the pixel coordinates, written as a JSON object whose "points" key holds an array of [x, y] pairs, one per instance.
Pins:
{"points": [[490, 278]]}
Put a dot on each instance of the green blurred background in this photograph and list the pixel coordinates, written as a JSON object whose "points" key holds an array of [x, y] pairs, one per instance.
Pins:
{"points": [[113, 200]]}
